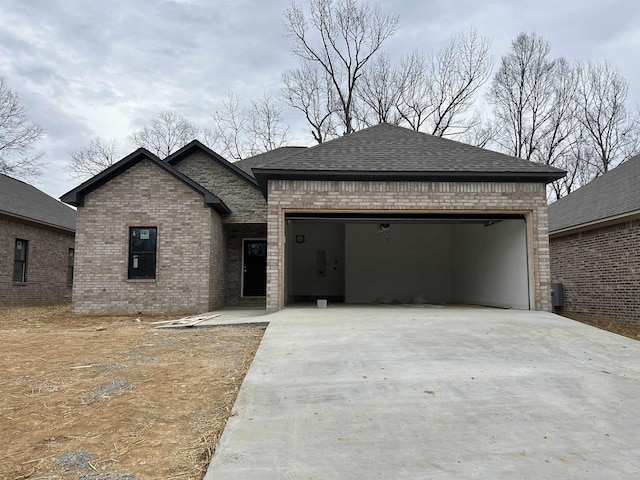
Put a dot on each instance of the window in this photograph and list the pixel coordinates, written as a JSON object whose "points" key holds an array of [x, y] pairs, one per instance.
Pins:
{"points": [[70, 266], [20, 261], [142, 252]]}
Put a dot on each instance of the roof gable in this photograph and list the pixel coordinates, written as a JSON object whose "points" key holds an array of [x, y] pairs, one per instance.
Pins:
{"points": [[76, 196], [195, 145], [19, 199], [615, 193]]}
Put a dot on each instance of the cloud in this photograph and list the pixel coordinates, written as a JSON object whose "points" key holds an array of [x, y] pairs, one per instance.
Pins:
{"points": [[85, 68]]}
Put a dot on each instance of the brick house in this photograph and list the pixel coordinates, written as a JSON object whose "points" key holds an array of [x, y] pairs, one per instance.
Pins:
{"points": [[594, 236], [36, 246], [384, 215]]}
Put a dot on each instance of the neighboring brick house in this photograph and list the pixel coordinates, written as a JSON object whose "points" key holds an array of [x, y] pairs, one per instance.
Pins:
{"points": [[36, 246], [594, 235], [384, 215]]}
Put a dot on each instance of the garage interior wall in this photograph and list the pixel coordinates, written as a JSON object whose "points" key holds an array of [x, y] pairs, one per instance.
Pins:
{"points": [[317, 251], [365, 263], [406, 263], [490, 264]]}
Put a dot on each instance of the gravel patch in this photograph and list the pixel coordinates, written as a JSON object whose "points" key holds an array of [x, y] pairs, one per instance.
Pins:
{"points": [[76, 460], [108, 390], [107, 476], [112, 367], [138, 355]]}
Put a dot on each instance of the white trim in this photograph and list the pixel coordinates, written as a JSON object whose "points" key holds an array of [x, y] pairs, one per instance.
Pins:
{"points": [[242, 295]]}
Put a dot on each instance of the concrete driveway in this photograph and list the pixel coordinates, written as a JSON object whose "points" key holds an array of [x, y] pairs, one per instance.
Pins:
{"points": [[433, 393]]}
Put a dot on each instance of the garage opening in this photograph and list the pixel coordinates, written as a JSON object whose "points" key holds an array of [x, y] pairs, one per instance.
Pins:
{"points": [[410, 259]]}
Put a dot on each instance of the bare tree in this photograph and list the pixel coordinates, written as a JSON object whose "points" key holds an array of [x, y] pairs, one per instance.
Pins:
{"points": [[166, 133], [266, 125], [379, 93], [230, 124], [93, 158], [309, 89], [521, 94], [340, 36], [241, 132], [560, 136], [438, 91], [608, 128], [457, 73], [576, 163], [17, 136], [415, 101], [481, 132]]}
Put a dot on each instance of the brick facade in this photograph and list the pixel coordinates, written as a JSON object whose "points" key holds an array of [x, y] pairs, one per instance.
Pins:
{"points": [[47, 260], [409, 197], [190, 252], [600, 271], [246, 202]]}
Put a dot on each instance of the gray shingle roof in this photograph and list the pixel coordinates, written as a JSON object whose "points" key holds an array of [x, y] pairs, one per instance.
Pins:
{"points": [[23, 200], [267, 159], [615, 193], [390, 148]]}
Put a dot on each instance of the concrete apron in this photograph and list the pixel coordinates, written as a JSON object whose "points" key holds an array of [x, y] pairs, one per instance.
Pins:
{"points": [[426, 393]]}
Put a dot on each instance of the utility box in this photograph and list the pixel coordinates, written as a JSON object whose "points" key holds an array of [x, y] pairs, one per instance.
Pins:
{"points": [[557, 295]]}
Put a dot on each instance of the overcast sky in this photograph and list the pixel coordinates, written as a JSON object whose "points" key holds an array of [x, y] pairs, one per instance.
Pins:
{"points": [[106, 67]]}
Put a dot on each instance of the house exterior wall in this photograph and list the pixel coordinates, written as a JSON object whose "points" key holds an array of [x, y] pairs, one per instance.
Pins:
{"points": [[217, 263], [600, 271], [234, 235], [245, 201], [146, 196], [47, 260], [419, 197]]}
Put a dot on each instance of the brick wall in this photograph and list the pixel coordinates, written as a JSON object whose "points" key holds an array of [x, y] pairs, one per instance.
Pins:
{"points": [[415, 197], [600, 270], [217, 263], [234, 234], [144, 195], [47, 257], [246, 202]]}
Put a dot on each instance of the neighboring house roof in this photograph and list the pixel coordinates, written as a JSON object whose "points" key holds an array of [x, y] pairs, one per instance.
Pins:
{"points": [[21, 200], [195, 145], [76, 196], [267, 159], [391, 152], [614, 194]]}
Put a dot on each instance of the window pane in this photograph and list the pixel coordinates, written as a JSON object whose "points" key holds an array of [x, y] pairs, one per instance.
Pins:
{"points": [[20, 262], [21, 250], [18, 272], [142, 252]]}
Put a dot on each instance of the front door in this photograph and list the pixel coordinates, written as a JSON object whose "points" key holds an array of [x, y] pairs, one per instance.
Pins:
{"points": [[254, 279]]}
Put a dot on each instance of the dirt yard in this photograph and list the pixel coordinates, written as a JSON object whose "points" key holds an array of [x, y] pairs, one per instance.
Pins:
{"points": [[631, 331], [109, 398]]}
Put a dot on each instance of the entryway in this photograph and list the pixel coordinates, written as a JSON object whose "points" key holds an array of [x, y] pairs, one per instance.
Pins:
{"points": [[254, 268], [478, 259]]}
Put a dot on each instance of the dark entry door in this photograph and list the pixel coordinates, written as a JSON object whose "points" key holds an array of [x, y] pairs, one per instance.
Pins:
{"points": [[255, 268]]}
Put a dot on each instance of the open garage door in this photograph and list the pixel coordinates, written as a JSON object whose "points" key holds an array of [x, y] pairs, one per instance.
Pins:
{"points": [[433, 259]]}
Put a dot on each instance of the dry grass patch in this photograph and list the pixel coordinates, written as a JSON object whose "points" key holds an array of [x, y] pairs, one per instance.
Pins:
{"points": [[627, 330], [107, 398]]}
